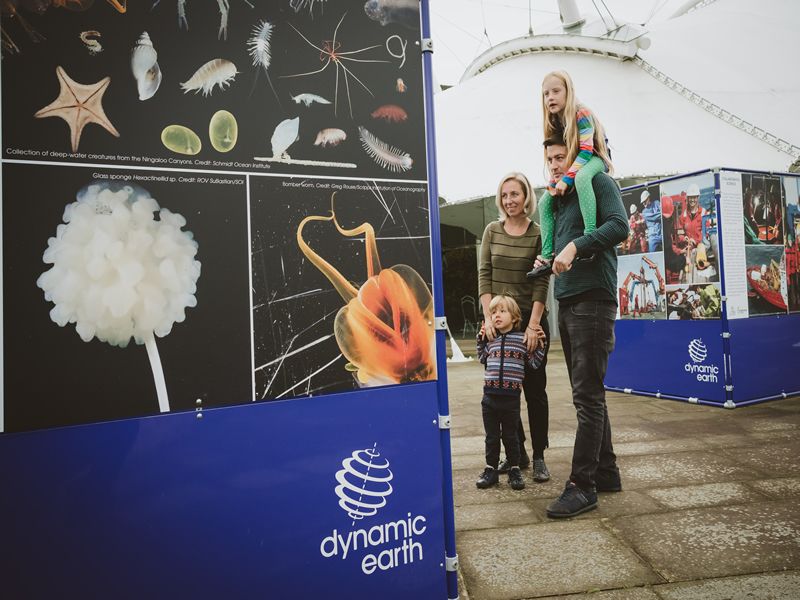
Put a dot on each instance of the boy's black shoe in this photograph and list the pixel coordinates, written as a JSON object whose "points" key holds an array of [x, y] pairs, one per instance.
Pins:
{"points": [[488, 478], [608, 482], [572, 501], [515, 479], [524, 462]]}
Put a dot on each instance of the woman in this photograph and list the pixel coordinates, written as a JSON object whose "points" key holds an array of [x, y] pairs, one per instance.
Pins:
{"points": [[508, 249]]}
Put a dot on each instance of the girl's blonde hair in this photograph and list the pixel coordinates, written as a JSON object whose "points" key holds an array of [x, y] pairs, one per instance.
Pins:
{"points": [[510, 305], [566, 123], [530, 199]]}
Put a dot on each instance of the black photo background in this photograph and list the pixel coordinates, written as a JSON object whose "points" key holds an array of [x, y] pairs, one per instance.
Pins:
{"points": [[363, 52], [294, 304], [53, 378]]}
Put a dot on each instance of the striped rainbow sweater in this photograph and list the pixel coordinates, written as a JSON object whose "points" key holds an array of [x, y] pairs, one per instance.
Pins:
{"points": [[585, 144], [505, 357]]}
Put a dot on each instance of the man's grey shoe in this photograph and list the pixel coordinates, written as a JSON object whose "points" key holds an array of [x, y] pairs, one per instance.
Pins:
{"points": [[540, 472], [572, 501]]}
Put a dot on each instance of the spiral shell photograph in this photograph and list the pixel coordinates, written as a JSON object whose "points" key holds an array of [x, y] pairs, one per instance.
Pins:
{"points": [[144, 65]]}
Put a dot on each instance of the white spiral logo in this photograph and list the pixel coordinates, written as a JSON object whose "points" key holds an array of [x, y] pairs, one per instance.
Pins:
{"points": [[697, 350], [363, 483]]}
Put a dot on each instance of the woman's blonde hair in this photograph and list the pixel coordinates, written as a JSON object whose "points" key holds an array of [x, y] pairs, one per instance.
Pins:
{"points": [[566, 123], [510, 305], [530, 199]]}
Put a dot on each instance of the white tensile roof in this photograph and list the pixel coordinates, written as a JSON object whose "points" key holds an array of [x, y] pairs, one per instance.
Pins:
{"points": [[718, 86]]}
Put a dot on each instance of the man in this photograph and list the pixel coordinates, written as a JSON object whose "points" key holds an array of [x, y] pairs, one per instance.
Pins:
{"points": [[637, 240], [587, 308], [652, 216], [691, 220]]}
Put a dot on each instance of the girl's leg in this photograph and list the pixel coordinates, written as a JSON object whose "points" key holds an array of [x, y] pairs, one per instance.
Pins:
{"points": [[586, 198], [546, 224]]}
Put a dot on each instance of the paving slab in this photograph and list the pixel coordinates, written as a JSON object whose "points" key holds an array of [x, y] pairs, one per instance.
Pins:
{"points": [[769, 586], [779, 489], [661, 470], [716, 542], [639, 593], [663, 446], [507, 514], [533, 561], [466, 493], [709, 494], [778, 460]]}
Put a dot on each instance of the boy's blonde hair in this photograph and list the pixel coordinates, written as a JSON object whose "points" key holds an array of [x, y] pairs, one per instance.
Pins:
{"points": [[567, 124], [510, 305], [529, 207]]}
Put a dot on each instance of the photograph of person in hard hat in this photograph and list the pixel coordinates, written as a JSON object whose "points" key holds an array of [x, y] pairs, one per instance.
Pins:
{"points": [[636, 243], [762, 199], [688, 208], [791, 194], [641, 290], [692, 302], [645, 227]]}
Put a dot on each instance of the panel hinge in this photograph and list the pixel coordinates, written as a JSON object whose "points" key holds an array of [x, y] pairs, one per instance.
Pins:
{"points": [[728, 388], [628, 390], [444, 421], [427, 45], [440, 323], [724, 298], [451, 563], [726, 334], [692, 400], [729, 404]]}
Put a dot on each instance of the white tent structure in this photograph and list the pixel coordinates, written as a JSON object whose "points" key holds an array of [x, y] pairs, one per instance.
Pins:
{"points": [[715, 85]]}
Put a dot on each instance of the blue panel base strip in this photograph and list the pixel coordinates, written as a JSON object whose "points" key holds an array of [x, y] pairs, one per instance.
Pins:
{"points": [[689, 399], [340, 497]]}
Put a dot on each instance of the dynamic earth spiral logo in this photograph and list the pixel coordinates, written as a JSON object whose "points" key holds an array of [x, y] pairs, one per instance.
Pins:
{"points": [[363, 483], [697, 350]]}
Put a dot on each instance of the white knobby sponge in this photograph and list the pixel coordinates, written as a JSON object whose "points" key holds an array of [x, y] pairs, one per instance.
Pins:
{"points": [[118, 272]]}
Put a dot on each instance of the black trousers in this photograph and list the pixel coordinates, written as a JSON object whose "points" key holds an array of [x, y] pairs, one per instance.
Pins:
{"points": [[535, 388], [500, 418], [587, 336]]}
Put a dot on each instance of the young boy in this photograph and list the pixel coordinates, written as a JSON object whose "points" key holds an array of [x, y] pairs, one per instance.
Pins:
{"points": [[505, 357]]}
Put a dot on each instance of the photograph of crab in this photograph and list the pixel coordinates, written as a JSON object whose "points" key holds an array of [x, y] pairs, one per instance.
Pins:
{"points": [[766, 280], [791, 194], [326, 88], [341, 285], [114, 281], [692, 302]]}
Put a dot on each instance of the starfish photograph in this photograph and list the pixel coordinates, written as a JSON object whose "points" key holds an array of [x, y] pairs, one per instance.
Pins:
{"points": [[78, 104]]}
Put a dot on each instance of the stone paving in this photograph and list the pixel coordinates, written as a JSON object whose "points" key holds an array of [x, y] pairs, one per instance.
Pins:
{"points": [[708, 509]]}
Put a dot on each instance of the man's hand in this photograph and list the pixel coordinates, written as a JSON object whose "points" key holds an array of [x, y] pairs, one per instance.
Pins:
{"points": [[563, 262], [534, 337]]}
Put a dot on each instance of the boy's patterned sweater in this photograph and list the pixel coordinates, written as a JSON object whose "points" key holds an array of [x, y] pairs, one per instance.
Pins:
{"points": [[505, 357]]}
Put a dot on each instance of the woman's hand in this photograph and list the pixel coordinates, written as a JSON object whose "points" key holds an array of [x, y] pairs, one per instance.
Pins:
{"points": [[489, 330], [534, 337]]}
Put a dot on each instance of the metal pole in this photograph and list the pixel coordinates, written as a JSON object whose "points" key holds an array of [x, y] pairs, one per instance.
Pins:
{"points": [[451, 560]]}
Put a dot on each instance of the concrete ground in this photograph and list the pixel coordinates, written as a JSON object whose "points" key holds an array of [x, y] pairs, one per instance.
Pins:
{"points": [[708, 511]]}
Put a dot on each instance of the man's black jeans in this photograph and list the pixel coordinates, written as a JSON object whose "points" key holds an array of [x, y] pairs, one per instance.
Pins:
{"points": [[535, 387], [587, 336]]}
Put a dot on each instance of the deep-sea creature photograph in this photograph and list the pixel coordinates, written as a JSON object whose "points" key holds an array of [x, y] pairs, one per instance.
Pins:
{"points": [[330, 136], [309, 99], [181, 140], [223, 131], [403, 12], [144, 65], [120, 322], [218, 72], [331, 53], [341, 286], [300, 6], [390, 113], [78, 104], [386, 155], [90, 41]]}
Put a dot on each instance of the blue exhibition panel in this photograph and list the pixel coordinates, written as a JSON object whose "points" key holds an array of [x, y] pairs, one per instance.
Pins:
{"points": [[669, 358], [763, 352], [248, 501]]}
